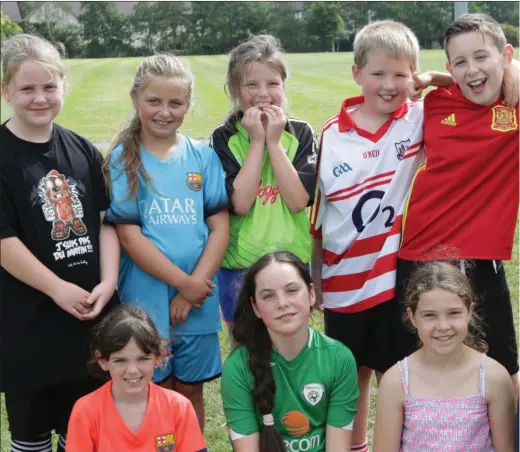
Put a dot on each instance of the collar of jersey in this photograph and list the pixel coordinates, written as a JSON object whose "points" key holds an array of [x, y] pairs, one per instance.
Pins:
{"points": [[455, 93], [345, 121], [275, 356]]}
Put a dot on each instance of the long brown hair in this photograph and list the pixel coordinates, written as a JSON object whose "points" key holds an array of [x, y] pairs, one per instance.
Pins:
{"points": [[445, 276], [251, 331], [162, 65]]}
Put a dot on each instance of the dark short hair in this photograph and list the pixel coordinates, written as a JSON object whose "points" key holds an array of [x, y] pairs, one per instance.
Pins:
{"points": [[116, 329], [480, 23]]}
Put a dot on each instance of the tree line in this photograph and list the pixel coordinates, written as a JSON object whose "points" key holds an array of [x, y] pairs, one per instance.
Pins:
{"points": [[206, 28]]}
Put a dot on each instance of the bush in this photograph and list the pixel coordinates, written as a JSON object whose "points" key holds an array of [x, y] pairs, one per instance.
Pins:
{"points": [[7, 26], [60, 36], [511, 33]]}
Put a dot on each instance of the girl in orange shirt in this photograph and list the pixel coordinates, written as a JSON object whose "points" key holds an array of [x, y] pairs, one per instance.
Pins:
{"points": [[130, 412]]}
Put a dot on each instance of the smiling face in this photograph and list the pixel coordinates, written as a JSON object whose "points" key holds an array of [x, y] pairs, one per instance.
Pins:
{"points": [[260, 85], [282, 299], [130, 369], [383, 80], [477, 66], [161, 106], [36, 94], [441, 320]]}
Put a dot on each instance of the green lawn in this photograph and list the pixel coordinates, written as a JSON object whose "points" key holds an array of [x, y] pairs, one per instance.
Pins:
{"points": [[98, 100], [98, 103]]}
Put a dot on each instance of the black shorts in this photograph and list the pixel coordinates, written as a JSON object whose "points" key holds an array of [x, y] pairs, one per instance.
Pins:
{"points": [[34, 413], [488, 280], [365, 333]]}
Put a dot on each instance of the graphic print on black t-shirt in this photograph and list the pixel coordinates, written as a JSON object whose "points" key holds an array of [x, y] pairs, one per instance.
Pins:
{"points": [[58, 196]]}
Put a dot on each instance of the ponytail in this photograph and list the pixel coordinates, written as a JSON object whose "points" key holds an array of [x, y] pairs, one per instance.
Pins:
{"points": [[129, 137], [251, 332]]}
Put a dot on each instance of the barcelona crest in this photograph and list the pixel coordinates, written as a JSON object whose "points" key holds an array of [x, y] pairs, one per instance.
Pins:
{"points": [[165, 443], [504, 119], [194, 181]]}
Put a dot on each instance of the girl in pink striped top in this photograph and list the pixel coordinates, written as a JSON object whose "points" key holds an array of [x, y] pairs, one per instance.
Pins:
{"points": [[447, 396]]}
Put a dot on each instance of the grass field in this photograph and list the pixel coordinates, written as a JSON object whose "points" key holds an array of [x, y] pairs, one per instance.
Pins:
{"points": [[98, 103]]}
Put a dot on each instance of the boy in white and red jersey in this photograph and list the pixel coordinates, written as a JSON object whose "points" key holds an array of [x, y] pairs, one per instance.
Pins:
{"points": [[368, 156], [464, 199]]}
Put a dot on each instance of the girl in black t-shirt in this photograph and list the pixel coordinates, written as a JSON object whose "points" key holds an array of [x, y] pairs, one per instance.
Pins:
{"points": [[59, 261]]}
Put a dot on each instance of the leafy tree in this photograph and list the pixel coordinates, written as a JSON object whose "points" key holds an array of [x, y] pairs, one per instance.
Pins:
{"points": [[161, 26], [7, 26], [502, 12], [27, 7], [511, 33], [105, 32], [323, 21], [217, 27], [66, 36], [286, 27], [426, 19]]}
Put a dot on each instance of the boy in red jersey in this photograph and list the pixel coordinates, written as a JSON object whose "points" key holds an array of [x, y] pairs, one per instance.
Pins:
{"points": [[464, 199]]}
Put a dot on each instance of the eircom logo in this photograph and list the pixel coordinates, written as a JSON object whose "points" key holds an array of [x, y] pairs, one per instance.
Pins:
{"points": [[297, 425]]}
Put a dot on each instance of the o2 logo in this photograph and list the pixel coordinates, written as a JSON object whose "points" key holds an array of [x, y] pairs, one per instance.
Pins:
{"points": [[357, 214]]}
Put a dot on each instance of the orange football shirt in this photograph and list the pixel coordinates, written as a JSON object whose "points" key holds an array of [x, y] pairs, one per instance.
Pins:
{"points": [[170, 424]]}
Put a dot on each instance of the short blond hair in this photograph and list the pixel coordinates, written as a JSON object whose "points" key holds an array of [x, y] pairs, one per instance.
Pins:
{"points": [[388, 36], [26, 47]]}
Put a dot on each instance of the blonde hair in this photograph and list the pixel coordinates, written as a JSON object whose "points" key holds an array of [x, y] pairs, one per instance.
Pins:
{"points": [[26, 47], [445, 276], [264, 49], [388, 36], [479, 23], [161, 65]]}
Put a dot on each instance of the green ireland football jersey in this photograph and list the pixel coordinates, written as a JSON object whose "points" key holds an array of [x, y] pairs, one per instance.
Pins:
{"points": [[269, 225], [316, 388]]}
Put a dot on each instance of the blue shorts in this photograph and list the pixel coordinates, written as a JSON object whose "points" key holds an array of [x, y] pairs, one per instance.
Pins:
{"points": [[195, 359], [229, 284]]}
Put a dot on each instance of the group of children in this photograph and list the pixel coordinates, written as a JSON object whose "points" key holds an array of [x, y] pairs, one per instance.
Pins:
{"points": [[182, 228]]}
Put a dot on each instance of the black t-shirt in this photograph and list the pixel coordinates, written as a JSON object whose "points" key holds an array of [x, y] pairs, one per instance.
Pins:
{"points": [[51, 195]]}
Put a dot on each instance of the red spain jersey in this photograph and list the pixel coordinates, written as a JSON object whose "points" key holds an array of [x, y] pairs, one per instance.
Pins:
{"points": [[363, 183], [169, 425], [464, 199]]}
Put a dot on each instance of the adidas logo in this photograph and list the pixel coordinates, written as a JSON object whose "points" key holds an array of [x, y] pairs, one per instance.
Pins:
{"points": [[449, 121]]}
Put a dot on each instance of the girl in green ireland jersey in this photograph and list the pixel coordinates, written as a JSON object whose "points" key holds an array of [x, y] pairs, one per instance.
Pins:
{"points": [[286, 387]]}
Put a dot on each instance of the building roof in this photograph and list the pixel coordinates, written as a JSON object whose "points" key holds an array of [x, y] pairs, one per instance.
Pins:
{"points": [[11, 10]]}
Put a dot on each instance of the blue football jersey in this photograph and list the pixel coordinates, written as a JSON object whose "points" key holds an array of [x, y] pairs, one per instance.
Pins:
{"points": [[186, 188]]}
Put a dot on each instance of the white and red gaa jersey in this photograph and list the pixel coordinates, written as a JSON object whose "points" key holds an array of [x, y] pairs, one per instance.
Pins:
{"points": [[363, 183]]}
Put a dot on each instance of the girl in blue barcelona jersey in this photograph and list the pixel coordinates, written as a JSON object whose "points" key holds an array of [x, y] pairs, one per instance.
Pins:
{"points": [[270, 164], [169, 205]]}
